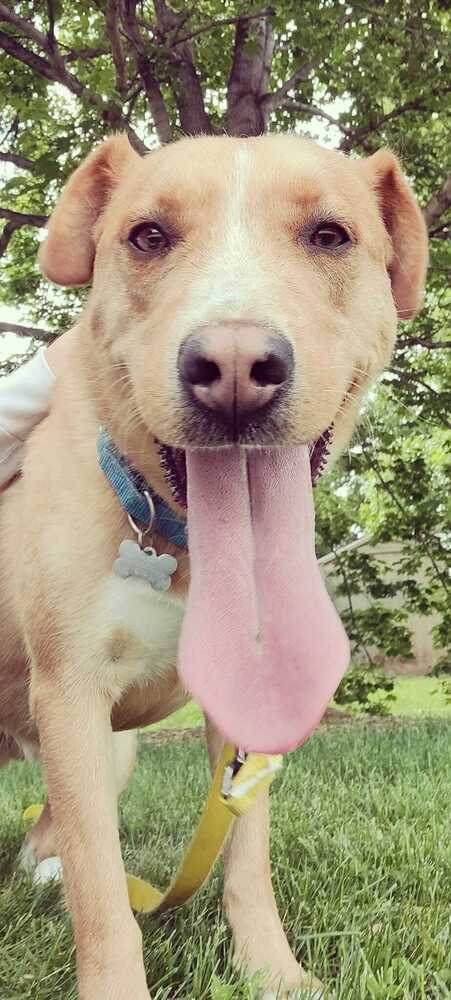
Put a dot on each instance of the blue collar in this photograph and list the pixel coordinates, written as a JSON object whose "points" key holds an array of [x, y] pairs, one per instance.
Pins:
{"points": [[130, 487]]}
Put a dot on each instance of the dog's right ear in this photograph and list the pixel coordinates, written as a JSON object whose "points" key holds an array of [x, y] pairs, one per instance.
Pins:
{"points": [[67, 255]]}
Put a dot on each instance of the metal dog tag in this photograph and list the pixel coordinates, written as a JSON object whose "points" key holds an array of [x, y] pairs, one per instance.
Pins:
{"points": [[144, 564]]}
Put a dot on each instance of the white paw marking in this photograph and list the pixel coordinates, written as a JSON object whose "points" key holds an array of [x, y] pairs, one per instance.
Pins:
{"points": [[48, 870]]}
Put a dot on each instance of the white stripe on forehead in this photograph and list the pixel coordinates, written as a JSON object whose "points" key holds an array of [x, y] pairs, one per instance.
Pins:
{"points": [[233, 283], [236, 233]]}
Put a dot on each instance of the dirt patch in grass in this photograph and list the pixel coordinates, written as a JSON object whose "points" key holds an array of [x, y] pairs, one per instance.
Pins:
{"points": [[161, 736], [332, 717]]}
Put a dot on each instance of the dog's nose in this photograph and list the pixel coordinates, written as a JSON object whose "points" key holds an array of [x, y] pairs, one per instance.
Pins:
{"points": [[235, 369]]}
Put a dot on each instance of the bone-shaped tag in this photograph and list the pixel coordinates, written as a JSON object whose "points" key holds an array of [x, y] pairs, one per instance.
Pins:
{"points": [[144, 564]]}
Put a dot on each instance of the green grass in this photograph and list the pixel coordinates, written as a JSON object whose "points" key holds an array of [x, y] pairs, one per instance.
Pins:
{"points": [[361, 861], [414, 696], [185, 718], [420, 696]]}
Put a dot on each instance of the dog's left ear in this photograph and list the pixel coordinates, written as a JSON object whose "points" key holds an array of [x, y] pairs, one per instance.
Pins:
{"points": [[67, 255], [405, 224]]}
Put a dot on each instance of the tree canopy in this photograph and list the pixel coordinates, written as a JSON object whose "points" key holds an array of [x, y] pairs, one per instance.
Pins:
{"points": [[362, 75]]}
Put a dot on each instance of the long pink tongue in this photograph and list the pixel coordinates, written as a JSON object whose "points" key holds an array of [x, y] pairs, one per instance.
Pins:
{"points": [[262, 647]]}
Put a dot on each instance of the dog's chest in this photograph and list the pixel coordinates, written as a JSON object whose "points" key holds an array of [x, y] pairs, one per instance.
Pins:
{"points": [[138, 631]]}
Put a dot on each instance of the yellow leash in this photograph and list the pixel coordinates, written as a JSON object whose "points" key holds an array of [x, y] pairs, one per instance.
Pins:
{"points": [[238, 780]]}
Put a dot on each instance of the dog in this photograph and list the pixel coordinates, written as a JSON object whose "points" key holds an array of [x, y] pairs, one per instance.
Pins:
{"points": [[245, 295]]}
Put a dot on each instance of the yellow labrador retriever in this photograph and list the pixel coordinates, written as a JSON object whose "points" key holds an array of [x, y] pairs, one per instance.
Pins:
{"points": [[244, 297]]}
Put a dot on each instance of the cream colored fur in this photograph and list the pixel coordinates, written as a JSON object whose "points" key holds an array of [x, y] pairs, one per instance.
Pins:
{"points": [[80, 647]]}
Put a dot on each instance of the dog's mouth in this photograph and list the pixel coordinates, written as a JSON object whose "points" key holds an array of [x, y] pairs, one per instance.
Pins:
{"points": [[173, 464], [262, 647]]}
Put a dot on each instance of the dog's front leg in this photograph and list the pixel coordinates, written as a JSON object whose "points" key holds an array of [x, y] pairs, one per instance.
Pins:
{"points": [[76, 740], [258, 936]]}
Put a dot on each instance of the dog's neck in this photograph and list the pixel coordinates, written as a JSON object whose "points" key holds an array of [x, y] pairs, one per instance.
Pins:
{"points": [[81, 405]]}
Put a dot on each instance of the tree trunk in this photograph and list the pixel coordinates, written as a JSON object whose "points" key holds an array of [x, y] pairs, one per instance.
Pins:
{"points": [[251, 66]]}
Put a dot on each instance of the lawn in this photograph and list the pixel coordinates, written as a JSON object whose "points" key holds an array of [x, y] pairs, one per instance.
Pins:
{"points": [[361, 860], [420, 696], [414, 696]]}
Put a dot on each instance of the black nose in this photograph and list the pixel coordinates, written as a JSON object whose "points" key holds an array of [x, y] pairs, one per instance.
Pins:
{"points": [[235, 369]]}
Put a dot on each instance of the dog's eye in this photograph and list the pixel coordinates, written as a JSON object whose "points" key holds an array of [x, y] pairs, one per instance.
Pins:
{"points": [[329, 236], [148, 238]]}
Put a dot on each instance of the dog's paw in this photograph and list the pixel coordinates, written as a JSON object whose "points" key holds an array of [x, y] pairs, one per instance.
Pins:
{"points": [[43, 871], [49, 870]]}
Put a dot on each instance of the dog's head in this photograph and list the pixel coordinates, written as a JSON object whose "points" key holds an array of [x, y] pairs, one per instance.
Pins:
{"points": [[243, 289]]}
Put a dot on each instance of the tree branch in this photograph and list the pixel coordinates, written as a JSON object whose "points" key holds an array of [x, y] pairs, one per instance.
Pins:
{"points": [[7, 232], [275, 98], [414, 376], [16, 220], [54, 69], [18, 51], [19, 161], [439, 203], [45, 336], [152, 90], [315, 112], [441, 232], [92, 53], [112, 28], [24, 25], [24, 219], [431, 345], [222, 22], [248, 78], [411, 376], [184, 80], [182, 18], [355, 137], [51, 40]]}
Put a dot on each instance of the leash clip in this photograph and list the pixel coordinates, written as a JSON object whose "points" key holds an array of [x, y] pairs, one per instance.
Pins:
{"points": [[245, 777], [231, 771]]}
